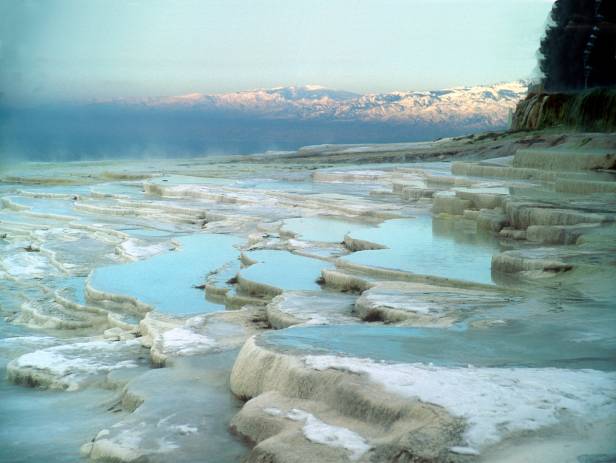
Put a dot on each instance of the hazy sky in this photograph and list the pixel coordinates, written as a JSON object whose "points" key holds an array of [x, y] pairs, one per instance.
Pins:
{"points": [[85, 49]]}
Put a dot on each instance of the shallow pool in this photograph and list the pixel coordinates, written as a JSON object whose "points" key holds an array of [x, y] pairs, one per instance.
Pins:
{"points": [[284, 270], [500, 346], [428, 246], [167, 281], [323, 228], [47, 426]]}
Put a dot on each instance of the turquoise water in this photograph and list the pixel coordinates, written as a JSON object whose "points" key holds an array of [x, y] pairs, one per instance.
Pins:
{"points": [[173, 180], [302, 186], [133, 190], [166, 281], [308, 187], [322, 228], [76, 289], [284, 270], [573, 326], [46, 206], [194, 392], [428, 247], [510, 345], [443, 167], [319, 307], [12, 217], [147, 232], [46, 426], [57, 189]]}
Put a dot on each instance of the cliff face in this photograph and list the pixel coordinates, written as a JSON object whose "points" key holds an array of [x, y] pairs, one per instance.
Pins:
{"points": [[591, 110]]}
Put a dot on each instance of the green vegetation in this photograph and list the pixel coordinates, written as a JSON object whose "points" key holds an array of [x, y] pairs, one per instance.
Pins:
{"points": [[590, 110]]}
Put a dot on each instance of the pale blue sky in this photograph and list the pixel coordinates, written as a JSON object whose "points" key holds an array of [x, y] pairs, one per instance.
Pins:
{"points": [[85, 49]]}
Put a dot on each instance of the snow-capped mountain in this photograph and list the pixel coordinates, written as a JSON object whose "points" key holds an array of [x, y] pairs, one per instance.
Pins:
{"points": [[478, 106], [283, 118]]}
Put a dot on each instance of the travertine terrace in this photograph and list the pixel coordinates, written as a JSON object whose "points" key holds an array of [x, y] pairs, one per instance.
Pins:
{"points": [[449, 301]]}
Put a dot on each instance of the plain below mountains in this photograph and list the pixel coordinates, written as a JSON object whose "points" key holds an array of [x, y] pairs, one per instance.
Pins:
{"points": [[282, 118]]}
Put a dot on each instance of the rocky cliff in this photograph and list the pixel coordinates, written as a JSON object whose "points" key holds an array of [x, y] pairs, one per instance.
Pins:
{"points": [[590, 110]]}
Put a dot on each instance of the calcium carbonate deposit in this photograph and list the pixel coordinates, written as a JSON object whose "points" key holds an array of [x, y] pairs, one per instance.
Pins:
{"points": [[446, 302]]}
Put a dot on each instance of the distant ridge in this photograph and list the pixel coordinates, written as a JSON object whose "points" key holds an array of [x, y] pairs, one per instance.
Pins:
{"points": [[282, 118], [477, 106]]}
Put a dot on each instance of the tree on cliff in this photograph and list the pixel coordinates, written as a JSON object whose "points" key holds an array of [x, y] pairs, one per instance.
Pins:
{"points": [[579, 47]]}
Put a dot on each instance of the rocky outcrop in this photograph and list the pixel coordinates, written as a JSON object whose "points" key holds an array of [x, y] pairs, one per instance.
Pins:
{"points": [[420, 304], [591, 110], [400, 430], [74, 365], [310, 307], [565, 160]]}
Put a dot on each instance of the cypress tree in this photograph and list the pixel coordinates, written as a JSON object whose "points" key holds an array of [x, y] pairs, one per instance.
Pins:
{"points": [[579, 48]]}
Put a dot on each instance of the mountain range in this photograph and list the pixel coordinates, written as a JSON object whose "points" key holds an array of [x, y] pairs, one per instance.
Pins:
{"points": [[480, 107], [283, 118]]}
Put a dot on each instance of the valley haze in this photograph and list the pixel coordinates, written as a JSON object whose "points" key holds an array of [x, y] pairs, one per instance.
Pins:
{"points": [[281, 118]]}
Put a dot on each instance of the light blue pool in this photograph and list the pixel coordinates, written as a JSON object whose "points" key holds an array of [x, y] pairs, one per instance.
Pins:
{"points": [[173, 180], [167, 281], [284, 270], [63, 207], [78, 190], [75, 289], [132, 190], [308, 187], [428, 247], [322, 228], [509, 345], [48, 425]]}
